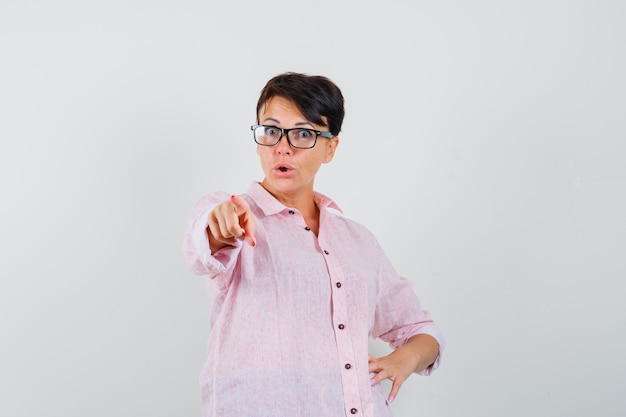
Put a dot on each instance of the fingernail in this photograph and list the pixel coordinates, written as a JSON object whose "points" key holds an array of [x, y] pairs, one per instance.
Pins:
{"points": [[391, 399], [253, 242], [372, 382]]}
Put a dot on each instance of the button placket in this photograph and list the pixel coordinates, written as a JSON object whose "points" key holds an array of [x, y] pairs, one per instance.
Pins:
{"points": [[292, 213], [342, 334]]}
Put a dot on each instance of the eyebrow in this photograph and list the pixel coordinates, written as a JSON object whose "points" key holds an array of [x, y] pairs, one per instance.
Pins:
{"points": [[297, 124]]}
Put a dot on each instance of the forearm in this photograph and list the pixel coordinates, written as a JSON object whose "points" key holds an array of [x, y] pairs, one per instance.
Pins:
{"points": [[424, 348]]}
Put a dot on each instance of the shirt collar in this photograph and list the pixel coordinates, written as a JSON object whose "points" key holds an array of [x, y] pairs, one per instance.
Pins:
{"points": [[269, 205]]}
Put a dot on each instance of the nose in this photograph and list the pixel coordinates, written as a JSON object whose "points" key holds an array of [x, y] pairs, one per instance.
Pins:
{"points": [[283, 146]]}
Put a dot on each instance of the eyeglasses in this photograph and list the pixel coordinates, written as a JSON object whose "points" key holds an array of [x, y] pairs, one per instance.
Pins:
{"points": [[298, 137]]}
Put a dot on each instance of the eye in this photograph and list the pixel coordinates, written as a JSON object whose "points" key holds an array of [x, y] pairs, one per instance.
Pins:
{"points": [[272, 131], [305, 134]]}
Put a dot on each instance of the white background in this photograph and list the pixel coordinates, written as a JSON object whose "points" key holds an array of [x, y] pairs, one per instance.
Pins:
{"points": [[484, 145]]}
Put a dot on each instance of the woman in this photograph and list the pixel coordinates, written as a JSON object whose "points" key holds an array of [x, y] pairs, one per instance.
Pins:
{"points": [[298, 287]]}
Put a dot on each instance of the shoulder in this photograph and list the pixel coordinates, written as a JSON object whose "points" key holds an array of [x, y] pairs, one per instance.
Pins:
{"points": [[208, 201], [214, 197], [350, 227]]}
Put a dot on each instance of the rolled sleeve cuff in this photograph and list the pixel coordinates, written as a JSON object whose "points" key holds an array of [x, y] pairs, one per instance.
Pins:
{"points": [[222, 261]]}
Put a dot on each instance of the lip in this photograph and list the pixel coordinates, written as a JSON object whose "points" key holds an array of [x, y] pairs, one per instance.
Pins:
{"points": [[283, 169]]}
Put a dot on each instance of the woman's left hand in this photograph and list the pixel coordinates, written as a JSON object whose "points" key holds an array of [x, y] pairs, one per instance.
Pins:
{"points": [[416, 355]]}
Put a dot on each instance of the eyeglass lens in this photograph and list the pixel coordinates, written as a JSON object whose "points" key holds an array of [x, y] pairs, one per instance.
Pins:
{"points": [[299, 138]]}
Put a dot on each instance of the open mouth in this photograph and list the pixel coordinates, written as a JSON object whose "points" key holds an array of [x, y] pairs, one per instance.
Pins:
{"points": [[283, 167]]}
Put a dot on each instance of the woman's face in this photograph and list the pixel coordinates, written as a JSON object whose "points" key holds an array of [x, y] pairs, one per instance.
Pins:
{"points": [[290, 172]]}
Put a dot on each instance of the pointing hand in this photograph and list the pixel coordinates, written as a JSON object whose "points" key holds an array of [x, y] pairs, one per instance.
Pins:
{"points": [[230, 221]]}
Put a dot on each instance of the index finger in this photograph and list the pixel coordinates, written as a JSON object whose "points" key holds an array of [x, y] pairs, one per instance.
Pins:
{"points": [[246, 218], [241, 205]]}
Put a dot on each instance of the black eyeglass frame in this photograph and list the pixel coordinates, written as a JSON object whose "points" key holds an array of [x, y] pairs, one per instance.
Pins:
{"points": [[285, 132]]}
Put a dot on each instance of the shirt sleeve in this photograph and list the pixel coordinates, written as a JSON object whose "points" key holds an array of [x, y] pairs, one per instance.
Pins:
{"points": [[197, 252], [399, 314]]}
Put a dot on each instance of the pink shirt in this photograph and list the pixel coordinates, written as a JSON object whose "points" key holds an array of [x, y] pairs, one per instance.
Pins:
{"points": [[291, 317]]}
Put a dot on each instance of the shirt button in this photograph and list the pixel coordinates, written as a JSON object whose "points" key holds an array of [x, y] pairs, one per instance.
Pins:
{"points": [[339, 285], [308, 229], [348, 366], [326, 252], [292, 212], [353, 410], [341, 327]]}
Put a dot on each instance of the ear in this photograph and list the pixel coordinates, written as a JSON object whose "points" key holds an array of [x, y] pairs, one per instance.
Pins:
{"points": [[331, 147]]}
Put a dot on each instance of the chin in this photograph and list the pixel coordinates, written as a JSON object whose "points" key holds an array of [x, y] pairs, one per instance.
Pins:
{"points": [[283, 185]]}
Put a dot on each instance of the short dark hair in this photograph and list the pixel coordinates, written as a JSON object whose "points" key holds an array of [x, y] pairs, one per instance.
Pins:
{"points": [[314, 95]]}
